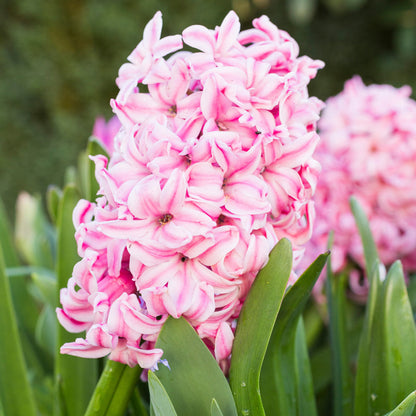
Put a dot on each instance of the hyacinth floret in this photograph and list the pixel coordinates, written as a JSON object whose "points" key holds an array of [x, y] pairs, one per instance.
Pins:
{"points": [[367, 150], [212, 166]]}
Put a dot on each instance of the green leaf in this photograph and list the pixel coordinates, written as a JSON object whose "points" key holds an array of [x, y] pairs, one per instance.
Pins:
{"points": [[321, 368], [15, 393], [286, 368], [10, 256], [25, 307], [46, 330], [215, 409], [342, 376], [114, 389], [46, 284], [53, 198], [194, 377], [386, 365], [35, 238], [137, 405], [75, 377], [369, 246], [405, 408], [255, 326], [86, 168], [159, 398]]}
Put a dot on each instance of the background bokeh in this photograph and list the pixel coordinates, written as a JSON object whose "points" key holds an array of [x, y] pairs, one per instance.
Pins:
{"points": [[59, 59]]}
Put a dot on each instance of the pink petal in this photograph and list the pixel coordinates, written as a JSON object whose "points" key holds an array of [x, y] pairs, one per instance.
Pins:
{"points": [[144, 199], [167, 45], [133, 356], [99, 336], [223, 341], [133, 230], [81, 348], [203, 304], [228, 32], [70, 324], [126, 319], [173, 193], [209, 99], [199, 37], [153, 30], [246, 194], [299, 151]]}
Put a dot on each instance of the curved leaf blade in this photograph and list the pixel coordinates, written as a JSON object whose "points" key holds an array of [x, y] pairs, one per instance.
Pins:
{"points": [[215, 409], [75, 377], [286, 367], [342, 376], [386, 365], [369, 246], [194, 377], [255, 326], [405, 408], [15, 393], [159, 398]]}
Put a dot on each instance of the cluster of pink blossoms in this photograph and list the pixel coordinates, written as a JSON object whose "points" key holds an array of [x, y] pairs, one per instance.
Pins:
{"points": [[211, 167], [367, 149]]}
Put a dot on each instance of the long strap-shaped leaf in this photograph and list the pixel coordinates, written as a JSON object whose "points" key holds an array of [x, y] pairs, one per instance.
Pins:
{"points": [[161, 403], [114, 389], [15, 393], [75, 377], [25, 307], [342, 376], [386, 366], [286, 380], [406, 407], [369, 246], [194, 377], [255, 326]]}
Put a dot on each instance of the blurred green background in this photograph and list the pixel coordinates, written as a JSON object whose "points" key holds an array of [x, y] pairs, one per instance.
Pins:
{"points": [[59, 59]]}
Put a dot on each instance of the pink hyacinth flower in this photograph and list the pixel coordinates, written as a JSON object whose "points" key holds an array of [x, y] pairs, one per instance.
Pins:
{"points": [[367, 150], [212, 165]]}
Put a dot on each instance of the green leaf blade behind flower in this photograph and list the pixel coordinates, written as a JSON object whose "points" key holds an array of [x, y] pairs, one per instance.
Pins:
{"points": [[161, 403], [215, 409], [25, 307], [53, 198], [15, 394], [386, 365], [342, 375], [286, 380], [255, 326], [406, 407], [369, 246], [88, 181], [194, 377], [75, 377], [386, 368]]}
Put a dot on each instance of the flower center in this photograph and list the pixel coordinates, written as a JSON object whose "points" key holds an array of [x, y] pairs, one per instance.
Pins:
{"points": [[172, 111], [165, 219]]}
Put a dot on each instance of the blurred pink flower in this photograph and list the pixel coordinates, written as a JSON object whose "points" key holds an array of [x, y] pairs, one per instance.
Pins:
{"points": [[210, 168], [367, 149], [105, 132]]}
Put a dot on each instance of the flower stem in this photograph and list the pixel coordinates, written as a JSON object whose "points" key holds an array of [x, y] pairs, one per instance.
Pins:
{"points": [[113, 391]]}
